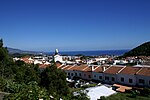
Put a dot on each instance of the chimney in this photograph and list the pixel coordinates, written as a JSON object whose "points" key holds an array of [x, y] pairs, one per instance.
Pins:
{"points": [[104, 68], [92, 68]]}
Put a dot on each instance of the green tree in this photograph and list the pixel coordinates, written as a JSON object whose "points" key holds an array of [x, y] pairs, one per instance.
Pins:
{"points": [[25, 73], [1, 43], [31, 91], [54, 80]]}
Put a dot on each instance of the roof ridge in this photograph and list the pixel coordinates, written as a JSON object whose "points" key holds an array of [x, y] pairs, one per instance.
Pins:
{"points": [[85, 68], [65, 66], [60, 65], [96, 68], [139, 70], [71, 67], [106, 68], [121, 69]]}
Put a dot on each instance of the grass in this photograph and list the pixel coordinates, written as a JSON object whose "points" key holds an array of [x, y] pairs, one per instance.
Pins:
{"points": [[125, 96]]}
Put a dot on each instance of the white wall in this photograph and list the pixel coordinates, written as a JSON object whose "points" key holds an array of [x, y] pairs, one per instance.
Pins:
{"points": [[110, 78], [58, 58], [95, 76], [126, 79], [72, 74], [146, 79]]}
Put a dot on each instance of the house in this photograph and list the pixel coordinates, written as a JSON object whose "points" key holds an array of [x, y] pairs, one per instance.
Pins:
{"points": [[87, 72], [27, 59], [127, 75], [110, 74], [70, 73], [57, 57], [143, 77], [97, 73], [79, 71]]}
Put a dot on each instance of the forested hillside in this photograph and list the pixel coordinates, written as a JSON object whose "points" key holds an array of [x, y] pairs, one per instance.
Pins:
{"points": [[142, 50]]}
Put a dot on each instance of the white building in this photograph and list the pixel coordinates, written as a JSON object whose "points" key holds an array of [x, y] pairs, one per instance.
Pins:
{"points": [[127, 75], [143, 77], [97, 74], [57, 57]]}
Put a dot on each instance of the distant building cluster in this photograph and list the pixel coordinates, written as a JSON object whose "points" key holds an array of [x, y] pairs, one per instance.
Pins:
{"points": [[106, 69]]}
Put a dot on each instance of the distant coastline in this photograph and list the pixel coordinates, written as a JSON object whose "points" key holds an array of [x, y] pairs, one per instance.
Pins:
{"points": [[92, 53]]}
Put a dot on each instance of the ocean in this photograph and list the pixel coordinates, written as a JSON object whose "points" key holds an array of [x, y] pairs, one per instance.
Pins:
{"points": [[92, 53]]}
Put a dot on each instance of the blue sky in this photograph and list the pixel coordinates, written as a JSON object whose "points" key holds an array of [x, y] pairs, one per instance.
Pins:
{"points": [[70, 25]]}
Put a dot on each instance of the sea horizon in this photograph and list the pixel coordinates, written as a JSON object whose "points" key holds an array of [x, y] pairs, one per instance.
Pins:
{"points": [[92, 52]]}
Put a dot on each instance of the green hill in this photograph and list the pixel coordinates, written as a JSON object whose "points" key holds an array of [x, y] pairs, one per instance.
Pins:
{"points": [[142, 50]]}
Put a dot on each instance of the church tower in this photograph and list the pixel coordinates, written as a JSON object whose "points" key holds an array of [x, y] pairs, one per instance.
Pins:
{"points": [[57, 57], [56, 51]]}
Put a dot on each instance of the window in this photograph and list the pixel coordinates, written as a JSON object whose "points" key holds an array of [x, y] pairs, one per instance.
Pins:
{"points": [[130, 80], [71, 74], [84, 74], [94, 75], [68, 74], [106, 78], [100, 77], [80, 74], [141, 81], [122, 79], [75, 74], [89, 76], [112, 79]]}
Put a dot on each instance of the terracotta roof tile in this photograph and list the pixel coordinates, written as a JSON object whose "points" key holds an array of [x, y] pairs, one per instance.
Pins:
{"points": [[88, 69], [130, 70], [100, 69], [79, 68], [145, 71], [66, 67], [113, 69]]}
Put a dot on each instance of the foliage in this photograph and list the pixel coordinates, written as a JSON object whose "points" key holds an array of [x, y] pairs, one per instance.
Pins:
{"points": [[1, 43], [25, 73], [54, 80], [31, 91], [87, 86], [142, 50], [102, 98], [3, 84], [80, 96], [145, 92], [27, 82], [125, 96]]}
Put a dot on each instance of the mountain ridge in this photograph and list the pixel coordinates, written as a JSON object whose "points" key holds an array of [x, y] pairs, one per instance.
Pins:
{"points": [[141, 50], [14, 50]]}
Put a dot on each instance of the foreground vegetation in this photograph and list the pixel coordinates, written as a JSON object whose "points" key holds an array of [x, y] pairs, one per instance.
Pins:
{"points": [[130, 95], [24, 81]]}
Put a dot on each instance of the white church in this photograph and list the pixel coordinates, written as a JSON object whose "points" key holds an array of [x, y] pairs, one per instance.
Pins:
{"points": [[58, 57]]}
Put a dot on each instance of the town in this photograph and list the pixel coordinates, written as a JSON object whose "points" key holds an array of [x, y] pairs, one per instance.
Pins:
{"points": [[106, 69]]}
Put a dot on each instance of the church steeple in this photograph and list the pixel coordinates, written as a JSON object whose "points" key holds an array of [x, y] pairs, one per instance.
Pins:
{"points": [[56, 51]]}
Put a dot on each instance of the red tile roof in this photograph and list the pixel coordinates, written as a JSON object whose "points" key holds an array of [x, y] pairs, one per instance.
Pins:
{"points": [[88, 69], [100, 69], [130, 70], [113, 69], [145, 71], [67, 67], [81, 67]]}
